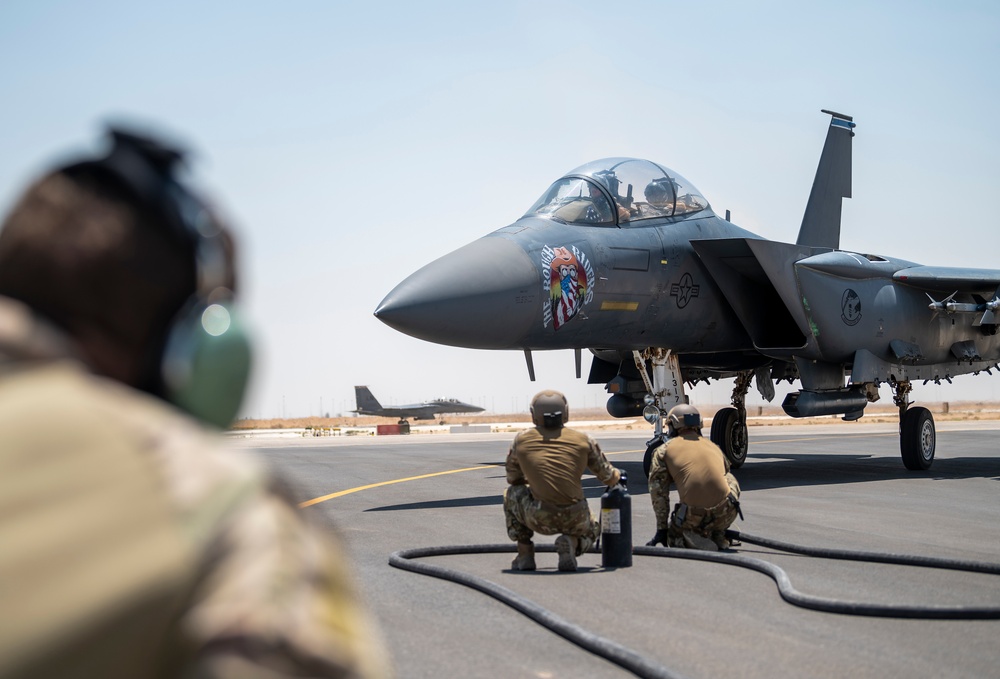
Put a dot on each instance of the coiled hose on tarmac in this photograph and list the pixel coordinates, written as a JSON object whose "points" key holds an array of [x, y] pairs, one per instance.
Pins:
{"points": [[643, 667]]}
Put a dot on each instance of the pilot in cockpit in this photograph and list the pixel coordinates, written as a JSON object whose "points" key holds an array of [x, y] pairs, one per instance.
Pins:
{"points": [[659, 195], [592, 208], [613, 185]]}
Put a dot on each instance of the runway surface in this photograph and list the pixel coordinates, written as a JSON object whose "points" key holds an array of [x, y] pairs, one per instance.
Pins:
{"points": [[837, 486]]}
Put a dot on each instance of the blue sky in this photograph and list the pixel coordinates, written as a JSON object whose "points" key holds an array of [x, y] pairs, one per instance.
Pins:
{"points": [[352, 143]]}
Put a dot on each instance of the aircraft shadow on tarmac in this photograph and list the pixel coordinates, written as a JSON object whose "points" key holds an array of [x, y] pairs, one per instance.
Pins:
{"points": [[790, 469], [479, 501], [591, 486], [786, 470], [774, 470]]}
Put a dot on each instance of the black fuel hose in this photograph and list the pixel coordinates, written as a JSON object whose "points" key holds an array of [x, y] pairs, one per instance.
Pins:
{"points": [[588, 641], [816, 603], [643, 667]]}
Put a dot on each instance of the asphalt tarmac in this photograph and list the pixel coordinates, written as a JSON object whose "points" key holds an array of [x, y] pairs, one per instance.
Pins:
{"points": [[838, 486]]}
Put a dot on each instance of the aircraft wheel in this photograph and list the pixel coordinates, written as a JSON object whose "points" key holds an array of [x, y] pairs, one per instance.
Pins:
{"points": [[730, 435], [647, 459], [917, 439]]}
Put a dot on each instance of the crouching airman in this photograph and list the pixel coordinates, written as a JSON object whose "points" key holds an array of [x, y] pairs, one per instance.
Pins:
{"points": [[545, 495], [709, 493]]}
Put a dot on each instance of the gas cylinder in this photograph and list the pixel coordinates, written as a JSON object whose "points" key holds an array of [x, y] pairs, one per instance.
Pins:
{"points": [[616, 527]]}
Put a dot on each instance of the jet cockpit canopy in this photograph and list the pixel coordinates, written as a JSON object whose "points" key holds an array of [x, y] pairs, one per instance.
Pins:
{"points": [[618, 191]]}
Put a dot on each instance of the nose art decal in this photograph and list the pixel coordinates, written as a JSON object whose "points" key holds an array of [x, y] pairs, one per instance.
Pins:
{"points": [[568, 281]]}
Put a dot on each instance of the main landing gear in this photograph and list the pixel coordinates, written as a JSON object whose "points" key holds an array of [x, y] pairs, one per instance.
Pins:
{"points": [[665, 389], [917, 436], [729, 426]]}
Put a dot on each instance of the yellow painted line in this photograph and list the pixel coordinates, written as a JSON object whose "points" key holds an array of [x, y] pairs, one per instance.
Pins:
{"points": [[341, 493], [331, 496], [619, 306]]}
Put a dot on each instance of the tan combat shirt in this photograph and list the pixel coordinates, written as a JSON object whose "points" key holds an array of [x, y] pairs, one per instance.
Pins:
{"points": [[552, 461], [133, 546], [697, 467]]}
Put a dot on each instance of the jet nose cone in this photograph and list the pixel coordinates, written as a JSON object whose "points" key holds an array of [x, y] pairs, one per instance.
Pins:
{"points": [[486, 295]]}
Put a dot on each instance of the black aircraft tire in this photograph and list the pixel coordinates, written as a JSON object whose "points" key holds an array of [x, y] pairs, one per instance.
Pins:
{"points": [[647, 459], [917, 439], [730, 435]]}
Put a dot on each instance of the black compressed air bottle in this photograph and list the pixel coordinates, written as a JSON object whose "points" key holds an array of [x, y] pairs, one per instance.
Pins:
{"points": [[616, 527]]}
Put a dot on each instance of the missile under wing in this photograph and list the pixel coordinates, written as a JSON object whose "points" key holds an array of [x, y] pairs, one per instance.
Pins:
{"points": [[626, 258]]}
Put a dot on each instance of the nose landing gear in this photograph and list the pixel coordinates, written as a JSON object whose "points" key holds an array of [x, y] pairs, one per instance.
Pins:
{"points": [[665, 388]]}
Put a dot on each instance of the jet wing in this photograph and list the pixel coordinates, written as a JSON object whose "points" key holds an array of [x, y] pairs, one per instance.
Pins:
{"points": [[950, 279]]}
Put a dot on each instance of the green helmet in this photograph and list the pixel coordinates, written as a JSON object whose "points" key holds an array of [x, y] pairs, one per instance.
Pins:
{"points": [[683, 416], [549, 409]]}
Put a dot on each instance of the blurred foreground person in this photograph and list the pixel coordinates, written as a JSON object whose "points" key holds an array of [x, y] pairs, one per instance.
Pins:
{"points": [[131, 544], [544, 468], [709, 494]]}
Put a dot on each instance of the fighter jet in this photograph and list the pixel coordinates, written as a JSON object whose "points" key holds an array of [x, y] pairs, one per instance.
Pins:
{"points": [[368, 405], [626, 258]]}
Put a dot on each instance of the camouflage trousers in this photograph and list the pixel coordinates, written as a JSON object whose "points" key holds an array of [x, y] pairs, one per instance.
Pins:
{"points": [[710, 522], [526, 516]]}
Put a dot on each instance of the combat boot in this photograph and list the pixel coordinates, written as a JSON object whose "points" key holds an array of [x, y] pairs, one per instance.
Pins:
{"points": [[566, 548], [720, 539], [525, 560], [694, 541]]}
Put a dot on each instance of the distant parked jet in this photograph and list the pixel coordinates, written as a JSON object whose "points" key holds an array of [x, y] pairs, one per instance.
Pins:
{"points": [[367, 404]]}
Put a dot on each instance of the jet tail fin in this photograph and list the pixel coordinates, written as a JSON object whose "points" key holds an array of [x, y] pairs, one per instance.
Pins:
{"points": [[365, 400], [821, 221]]}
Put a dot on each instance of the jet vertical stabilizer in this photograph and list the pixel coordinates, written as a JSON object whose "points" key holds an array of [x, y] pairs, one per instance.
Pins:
{"points": [[821, 221], [366, 401]]}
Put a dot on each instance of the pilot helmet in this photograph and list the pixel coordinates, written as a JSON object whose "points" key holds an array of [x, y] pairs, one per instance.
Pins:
{"points": [[549, 409], [609, 179], [660, 192], [683, 416]]}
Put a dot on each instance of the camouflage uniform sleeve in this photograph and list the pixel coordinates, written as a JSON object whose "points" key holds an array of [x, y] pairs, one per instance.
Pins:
{"points": [[659, 487], [278, 600], [599, 466], [515, 477], [270, 594]]}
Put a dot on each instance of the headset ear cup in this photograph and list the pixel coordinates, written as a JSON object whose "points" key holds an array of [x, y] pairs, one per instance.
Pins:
{"points": [[206, 362]]}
